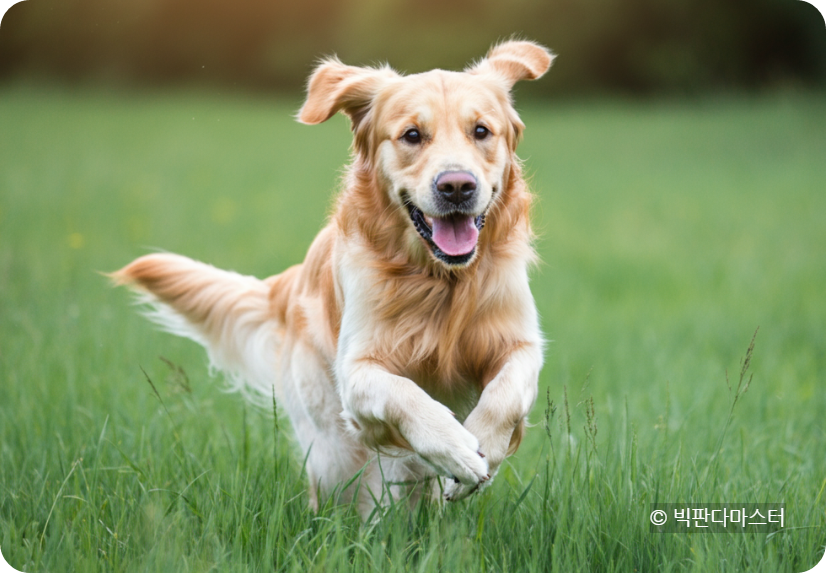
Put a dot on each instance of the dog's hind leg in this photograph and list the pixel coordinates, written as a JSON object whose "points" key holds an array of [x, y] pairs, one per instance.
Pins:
{"points": [[226, 312]]}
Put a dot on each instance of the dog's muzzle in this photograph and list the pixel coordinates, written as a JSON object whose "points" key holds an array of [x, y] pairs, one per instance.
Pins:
{"points": [[452, 238], [455, 190]]}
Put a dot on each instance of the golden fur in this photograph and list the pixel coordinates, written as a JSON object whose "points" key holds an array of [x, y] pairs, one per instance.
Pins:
{"points": [[375, 342]]}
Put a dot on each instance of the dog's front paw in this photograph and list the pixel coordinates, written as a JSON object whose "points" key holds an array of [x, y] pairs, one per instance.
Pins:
{"points": [[456, 490], [452, 451]]}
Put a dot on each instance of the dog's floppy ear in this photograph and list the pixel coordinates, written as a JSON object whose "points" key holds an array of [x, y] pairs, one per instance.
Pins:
{"points": [[337, 87], [516, 60]]}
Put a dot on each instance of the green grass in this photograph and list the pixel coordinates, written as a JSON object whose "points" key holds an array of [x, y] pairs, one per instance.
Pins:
{"points": [[668, 233]]}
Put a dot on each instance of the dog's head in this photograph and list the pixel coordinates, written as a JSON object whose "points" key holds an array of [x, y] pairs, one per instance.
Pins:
{"points": [[441, 144]]}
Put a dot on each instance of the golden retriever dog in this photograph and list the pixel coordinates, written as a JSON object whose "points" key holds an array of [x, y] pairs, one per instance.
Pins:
{"points": [[407, 343]]}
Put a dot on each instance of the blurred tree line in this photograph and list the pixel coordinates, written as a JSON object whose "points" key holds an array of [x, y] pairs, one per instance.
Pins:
{"points": [[634, 46]]}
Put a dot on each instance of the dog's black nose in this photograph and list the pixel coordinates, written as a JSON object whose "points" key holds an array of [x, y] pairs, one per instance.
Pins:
{"points": [[456, 186]]}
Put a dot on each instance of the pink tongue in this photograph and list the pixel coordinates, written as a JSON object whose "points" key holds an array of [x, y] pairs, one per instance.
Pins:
{"points": [[455, 235]]}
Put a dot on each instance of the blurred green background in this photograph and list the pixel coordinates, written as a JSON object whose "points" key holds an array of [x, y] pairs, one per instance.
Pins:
{"points": [[630, 46]]}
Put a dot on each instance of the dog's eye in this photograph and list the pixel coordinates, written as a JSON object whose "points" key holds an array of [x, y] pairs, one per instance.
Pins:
{"points": [[481, 132], [412, 136]]}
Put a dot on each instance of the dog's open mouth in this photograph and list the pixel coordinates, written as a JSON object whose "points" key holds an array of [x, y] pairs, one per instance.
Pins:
{"points": [[452, 238]]}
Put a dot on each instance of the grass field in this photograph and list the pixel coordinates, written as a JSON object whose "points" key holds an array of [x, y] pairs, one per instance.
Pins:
{"points": [[668, 232]]}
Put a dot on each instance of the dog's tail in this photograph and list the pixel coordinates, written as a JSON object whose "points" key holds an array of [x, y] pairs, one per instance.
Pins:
{"points": [[227, 313]]}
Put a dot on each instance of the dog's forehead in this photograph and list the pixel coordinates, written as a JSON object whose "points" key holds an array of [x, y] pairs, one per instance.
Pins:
{"points": [[427, 94]]}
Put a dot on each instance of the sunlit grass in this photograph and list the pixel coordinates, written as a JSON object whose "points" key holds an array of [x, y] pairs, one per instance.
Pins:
{"points": [[669, 232]]}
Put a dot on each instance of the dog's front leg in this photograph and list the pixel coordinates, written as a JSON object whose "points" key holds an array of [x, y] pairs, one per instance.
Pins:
{"points": [[391, 411], [504, 404]]}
